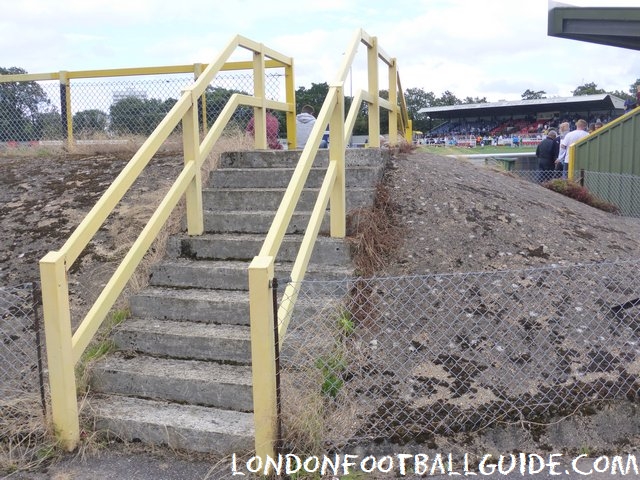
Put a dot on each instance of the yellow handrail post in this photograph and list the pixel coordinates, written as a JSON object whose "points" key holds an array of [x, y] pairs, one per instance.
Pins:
{"points": [[337, 154], [57, 324], [65, 106], [393, 100], [373, 86], [191, 147], [259, 113], [263, 358], [290, 98], [197, 71]]}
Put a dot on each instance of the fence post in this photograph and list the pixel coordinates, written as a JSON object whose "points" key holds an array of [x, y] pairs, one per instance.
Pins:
{"points": [[373, 87], [66, 115], [197, 71], [259, 113], [263, 361], [393, 100], [290, 98], [57, 327], [582, 177], [191, 148], [337, 201]]}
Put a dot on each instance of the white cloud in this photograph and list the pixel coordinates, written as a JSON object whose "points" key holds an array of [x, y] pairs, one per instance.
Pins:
{"points": [[492, 49]]}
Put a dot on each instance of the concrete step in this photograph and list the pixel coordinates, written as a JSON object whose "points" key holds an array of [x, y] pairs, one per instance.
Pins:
{"points": [[270, 198], [229, 275], [196, 305], [183, 427], [279, 177], [227, 246], [181, 339], [195, 382], [243, 221], [289, 158]]}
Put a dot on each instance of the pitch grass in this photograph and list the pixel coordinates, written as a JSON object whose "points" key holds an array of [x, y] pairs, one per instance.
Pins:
{"points": [[451, 150]]}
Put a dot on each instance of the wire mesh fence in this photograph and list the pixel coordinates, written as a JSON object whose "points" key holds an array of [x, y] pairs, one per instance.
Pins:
{"points": [[621, 191], [21, 352], [115, 108], [407, 359]]}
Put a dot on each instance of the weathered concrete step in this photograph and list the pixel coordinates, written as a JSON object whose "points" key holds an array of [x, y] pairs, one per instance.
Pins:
{"points": [[234, 221], [180, 339], [229, 275], [289, 158], [184, 427], [209, 306], [195, 382], [278, 177], [226, 246], [270, 198]]}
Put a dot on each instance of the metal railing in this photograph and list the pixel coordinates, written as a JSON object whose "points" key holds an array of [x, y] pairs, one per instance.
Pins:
{"points": [[261, 271], [64, 347], [76, 107]]}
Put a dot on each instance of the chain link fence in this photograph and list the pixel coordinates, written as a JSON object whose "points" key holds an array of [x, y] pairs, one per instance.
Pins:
{"points": [[22, 362], [622, 191], [404, 360], [111, 109]]}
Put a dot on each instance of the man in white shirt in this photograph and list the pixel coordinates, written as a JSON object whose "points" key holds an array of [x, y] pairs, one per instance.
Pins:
{"points": [[571, 138]]}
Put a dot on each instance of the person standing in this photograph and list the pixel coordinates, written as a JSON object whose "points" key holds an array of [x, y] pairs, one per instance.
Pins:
{"points": [[547, 152], [571, 138], [304, 124], [563, 129], [273, 130]]}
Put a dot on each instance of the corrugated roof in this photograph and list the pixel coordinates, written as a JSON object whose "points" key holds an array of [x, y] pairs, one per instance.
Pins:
{"points": [[600, 102]]}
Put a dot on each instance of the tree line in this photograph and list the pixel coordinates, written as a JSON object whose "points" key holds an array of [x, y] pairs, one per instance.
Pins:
{"points": [[26, 112]]}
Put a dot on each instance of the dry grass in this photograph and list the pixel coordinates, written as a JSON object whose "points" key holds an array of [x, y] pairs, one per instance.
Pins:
{"points": [[374, 233], [27, 442]]}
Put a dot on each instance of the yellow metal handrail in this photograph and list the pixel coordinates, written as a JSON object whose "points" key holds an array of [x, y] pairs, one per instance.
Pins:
{"points": [[332, 191], [65, 348]]}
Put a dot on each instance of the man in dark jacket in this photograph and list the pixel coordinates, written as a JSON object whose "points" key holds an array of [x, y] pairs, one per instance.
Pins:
{"points": [[547, 153]]}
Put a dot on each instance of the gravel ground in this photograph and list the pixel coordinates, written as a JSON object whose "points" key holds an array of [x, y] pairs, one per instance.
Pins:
{"points": [[459, 218]]}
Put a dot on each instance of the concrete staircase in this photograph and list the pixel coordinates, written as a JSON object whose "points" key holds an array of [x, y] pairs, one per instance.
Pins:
{"points": [[181, 375]]}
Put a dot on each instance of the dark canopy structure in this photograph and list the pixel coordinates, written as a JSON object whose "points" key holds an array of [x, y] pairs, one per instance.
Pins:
{"points": [[613, 26], [580, 104]]}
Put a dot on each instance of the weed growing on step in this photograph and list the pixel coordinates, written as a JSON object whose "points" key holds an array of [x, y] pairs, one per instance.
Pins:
{"points": [[374, 233]]}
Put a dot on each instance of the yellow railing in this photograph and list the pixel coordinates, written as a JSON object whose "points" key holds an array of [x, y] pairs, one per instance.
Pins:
{"points": [[65, 79], [64, 347], [261, 270]]}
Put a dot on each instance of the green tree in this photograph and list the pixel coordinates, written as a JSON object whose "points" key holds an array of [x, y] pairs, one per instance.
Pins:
{"points": [[138, 116], [89, 122], [20, 106], [217, 98], [587, 89], [533, 95], [447, 98], [314, 96], [469, 100], [49, 125]]}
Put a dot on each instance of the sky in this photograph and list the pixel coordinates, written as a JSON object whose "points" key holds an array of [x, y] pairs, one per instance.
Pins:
{"points": [[495, 49]]}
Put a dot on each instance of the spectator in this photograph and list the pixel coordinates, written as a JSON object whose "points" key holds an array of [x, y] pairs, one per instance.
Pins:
{"points": [[547, 152], [563, 129], [273, 129], [571, 138], [304, 124]]}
